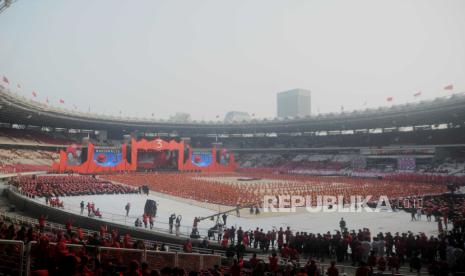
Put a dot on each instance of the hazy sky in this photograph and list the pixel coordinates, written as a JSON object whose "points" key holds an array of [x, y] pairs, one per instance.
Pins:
{"points": [[209, 57]]}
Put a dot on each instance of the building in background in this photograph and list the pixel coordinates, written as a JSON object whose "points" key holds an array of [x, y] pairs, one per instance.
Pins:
{"points": [[294, 103], [236, 116]]}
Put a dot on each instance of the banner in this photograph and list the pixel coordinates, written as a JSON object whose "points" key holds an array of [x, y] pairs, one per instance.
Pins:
{"points": [[202, 159], [107, 157], [74, 155]]}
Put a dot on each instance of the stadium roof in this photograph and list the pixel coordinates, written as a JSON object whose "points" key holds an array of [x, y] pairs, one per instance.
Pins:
{"points": [[16, 109]]}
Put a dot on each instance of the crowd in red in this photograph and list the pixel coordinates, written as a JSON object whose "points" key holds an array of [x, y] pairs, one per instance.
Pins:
{"points": [[52, 252], [213, 189], [426, 178], [69, 185]]}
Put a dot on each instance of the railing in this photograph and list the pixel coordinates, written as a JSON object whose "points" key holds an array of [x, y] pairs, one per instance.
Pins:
{"points": [[121, 257], [159, 226], [53, 227], [11, 257]]}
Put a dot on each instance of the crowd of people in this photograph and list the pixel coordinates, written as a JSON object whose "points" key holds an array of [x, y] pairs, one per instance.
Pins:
{"points": [[53, 253], [225, 190], [371, 253], [66, 185], [287, 253]]}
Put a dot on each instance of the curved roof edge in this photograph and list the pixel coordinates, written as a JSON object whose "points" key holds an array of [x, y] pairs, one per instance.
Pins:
{"points": [[451, 109]]}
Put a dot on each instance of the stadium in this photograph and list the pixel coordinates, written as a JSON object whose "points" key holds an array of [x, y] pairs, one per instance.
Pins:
{"points": [[373, 191]]}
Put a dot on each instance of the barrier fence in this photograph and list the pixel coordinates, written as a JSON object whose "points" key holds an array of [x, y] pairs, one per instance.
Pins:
{"points": [[160, 224], [18, 259], [53, 227], [110, 256], [11, 257]]}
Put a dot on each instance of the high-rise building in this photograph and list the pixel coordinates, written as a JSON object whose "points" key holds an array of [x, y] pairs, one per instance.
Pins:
{"points": [[294, 103]]}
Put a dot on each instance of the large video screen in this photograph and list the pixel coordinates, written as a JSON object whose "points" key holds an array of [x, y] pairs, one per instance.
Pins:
{"points": [[107, 157], [75, 155], [150, 160], [202, 159], [223, 157]]}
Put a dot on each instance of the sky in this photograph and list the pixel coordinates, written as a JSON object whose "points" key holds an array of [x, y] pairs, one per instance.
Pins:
{"points": [[207, 57]]}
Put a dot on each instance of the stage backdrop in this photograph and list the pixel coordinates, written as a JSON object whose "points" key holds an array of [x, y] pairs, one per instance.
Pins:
{"points": [[112, 159]]}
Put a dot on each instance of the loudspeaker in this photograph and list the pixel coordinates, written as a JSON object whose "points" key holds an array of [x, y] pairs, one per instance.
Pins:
{"points": [[150, 207]]}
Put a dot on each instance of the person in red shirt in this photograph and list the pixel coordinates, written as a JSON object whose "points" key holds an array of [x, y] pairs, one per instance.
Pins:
{"points": [[332, 270], [285, 252], [127, 241], [89, 208], [187, 247], [254, 261], [381, 264], [363, 270], [145, 220], [98, 213], [273, 265], [245, 239], [103, 231], [311, 268], [224, 242], [42, 223], [236, 268]]}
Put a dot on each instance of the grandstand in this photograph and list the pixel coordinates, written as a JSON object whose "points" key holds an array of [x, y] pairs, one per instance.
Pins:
{"points": [[371, 191], [407, 152]]}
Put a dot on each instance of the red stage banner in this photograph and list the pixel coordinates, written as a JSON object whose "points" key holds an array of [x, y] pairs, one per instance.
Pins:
{"points": [[108, 160]]}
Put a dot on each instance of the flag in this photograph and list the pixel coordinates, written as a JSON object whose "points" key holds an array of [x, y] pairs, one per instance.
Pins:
{"points": [[217, 116], [5, 80], [19, 86], [449, 87], [34, 94], [62, 101], [253, 114], [418, 94], [389, 99]]}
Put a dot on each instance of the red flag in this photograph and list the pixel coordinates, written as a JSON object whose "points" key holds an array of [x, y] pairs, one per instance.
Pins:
{"points": [[62, 101], [34, 94], [449, 87], [418, 94], [389, 99], [6, 80]]}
